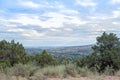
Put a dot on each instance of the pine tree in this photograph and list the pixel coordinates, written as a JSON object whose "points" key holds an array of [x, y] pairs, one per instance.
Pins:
{"points": [[45, 59], [107, 51], [11, 53]]}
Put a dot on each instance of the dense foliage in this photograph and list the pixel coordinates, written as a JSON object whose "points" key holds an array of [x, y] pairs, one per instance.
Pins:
{"points": [[106, 54], [45, 59], [11, 53]]}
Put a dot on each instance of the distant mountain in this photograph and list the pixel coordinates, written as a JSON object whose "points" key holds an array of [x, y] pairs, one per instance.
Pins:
{"points": [[72, 51]]}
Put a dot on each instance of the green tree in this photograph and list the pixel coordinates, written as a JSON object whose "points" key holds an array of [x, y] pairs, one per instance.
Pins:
{"points": [[11, 53], [45, 59], [106, 52]]}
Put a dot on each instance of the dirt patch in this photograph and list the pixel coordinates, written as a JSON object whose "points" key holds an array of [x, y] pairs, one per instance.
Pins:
{"points": [[86, 78], [112, 78], [81, 78], [70, 78]]}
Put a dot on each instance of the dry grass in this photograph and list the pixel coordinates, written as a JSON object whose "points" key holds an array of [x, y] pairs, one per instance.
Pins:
{"points": [[118, 73], [60, 72], [21, 70], [52, 71]]}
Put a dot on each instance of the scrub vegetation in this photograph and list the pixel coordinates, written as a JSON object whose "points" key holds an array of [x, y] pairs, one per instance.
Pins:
{"points": [[16, 64]]}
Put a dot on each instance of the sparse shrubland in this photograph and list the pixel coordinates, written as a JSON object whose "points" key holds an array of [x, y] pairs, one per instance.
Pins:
{"points": [[16, 63]]}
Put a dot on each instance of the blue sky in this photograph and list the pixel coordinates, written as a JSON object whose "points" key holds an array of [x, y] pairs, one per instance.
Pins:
{"points": [[58, 22]]}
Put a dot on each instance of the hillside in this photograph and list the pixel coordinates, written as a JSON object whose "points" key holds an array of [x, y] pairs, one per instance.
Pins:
{"points": [[71, 51]]}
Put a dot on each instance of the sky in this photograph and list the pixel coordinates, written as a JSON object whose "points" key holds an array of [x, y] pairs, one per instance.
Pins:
{"points": [[58, 22]]}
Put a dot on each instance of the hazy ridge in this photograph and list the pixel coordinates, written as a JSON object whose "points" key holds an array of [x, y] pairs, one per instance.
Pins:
{"points": [[70, 51]]}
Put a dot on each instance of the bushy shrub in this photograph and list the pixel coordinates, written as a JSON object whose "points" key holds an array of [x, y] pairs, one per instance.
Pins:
{"points": [[45, 59], [4, 64], [71, 70], [109, 71], [25, 70], [87, 72], [52, 71]]}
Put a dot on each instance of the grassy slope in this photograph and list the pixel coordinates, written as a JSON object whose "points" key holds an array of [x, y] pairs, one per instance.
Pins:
{"points": [[60, 72]]}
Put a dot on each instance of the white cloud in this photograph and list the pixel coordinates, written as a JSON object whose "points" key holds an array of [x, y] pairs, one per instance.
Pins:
{"points": [[56, 24], [97, 28], [100, 16], [86, 3], [115, 1], [33, 34], [77, 21], [55, 30], [29, 4], [68, 29], [55, 20], [116, 23], [116, 13], [25, 19], [15, 30], [40, 4], [59, 26]]}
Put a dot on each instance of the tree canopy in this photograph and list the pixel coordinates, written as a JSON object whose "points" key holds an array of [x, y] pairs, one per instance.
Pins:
{"points": [[106, 53], [45, 59], [11, 53]]}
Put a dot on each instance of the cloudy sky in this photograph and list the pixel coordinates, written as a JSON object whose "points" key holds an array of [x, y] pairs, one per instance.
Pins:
{"points": [[58, 22]]}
